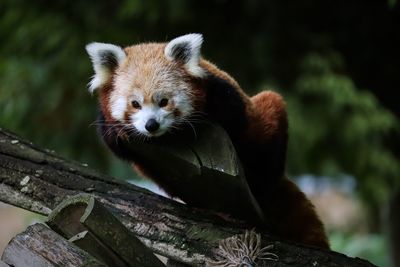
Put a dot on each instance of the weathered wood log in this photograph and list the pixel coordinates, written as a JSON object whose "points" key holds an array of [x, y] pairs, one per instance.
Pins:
{"points": [[41, 247], [83, 220], [3, 264], [89, 243], [38, 180], [190, 165]]}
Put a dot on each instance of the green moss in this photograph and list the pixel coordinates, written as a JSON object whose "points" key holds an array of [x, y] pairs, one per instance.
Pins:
{"points": [[209, 234]]}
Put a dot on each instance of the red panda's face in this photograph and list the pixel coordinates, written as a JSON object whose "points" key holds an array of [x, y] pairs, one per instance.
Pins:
{"points": [[153, 114], [151, 92]]}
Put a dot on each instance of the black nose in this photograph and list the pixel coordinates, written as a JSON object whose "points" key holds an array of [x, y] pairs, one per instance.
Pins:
{"points": [[152, 125]]}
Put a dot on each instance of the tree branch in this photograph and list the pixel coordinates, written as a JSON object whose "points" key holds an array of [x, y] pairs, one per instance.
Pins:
{"points": [[38, 180], [39, 246]]}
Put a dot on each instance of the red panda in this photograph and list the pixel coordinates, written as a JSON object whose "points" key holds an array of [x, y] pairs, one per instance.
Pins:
{"points": [[148, 90]]}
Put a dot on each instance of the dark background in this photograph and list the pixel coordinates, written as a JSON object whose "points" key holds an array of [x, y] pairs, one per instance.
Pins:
{"points": [[335, 62]]}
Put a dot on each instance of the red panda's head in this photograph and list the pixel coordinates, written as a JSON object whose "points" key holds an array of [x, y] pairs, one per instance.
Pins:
{"points": [[148, 87]]}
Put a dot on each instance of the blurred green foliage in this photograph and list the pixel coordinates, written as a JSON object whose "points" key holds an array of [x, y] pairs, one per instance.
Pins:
{"points": [[318, 54], [367, 246], [336, 128]]}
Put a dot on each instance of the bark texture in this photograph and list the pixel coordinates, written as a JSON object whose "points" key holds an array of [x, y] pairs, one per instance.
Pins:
{"points": [[38, 180], [39, 246]]}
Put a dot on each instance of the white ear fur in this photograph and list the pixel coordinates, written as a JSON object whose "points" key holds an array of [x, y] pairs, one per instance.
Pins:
{"points": [[105, 58], [186, 48]]}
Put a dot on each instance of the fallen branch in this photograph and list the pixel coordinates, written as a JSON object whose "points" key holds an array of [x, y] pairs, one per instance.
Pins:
{"points": [[39, 246], [38, 180], [86, 223]]}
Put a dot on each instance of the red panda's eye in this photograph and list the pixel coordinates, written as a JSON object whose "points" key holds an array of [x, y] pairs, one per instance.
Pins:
{"points": [[136, 104], [163, 102]]}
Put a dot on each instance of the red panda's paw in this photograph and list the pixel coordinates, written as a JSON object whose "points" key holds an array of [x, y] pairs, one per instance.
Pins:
{"points": [[269, 115]]}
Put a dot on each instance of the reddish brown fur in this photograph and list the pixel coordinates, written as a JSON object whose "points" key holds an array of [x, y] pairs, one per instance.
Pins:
{"points": [[290, 213], [269, 115], [293, 214]]}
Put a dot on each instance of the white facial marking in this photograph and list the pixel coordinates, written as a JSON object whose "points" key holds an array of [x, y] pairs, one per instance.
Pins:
{"points": [[147, 112], [184, 103], [118, 108]]}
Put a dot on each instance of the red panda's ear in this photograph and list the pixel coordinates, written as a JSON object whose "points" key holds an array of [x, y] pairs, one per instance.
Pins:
{"points": [[186, 49], [105, 58]]}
